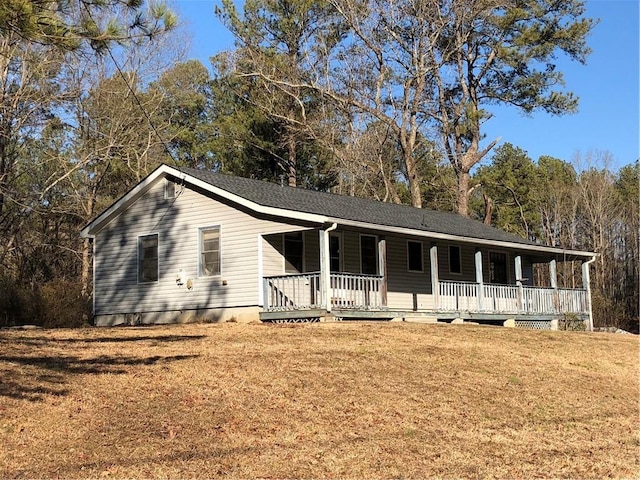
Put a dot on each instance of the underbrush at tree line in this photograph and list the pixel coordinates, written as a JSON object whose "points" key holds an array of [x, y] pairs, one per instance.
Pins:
{"points": [[54, 304]]}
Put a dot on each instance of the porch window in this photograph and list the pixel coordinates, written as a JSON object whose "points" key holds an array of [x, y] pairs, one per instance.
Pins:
{"points": [[455, 259], [369, 254], [498, 268], [210, 251], [293, 252], [335, 252], [148, 258], [414, 256]]}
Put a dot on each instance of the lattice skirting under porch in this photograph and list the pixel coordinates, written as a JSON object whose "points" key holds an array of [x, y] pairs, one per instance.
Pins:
{"points": [[534, 324]]}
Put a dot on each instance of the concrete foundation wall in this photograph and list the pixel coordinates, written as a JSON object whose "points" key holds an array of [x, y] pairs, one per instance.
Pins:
{"points": [[214, 315]]}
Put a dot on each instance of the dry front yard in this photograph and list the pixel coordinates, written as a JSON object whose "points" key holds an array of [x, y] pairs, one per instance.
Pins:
{"points": [[343, 400]]}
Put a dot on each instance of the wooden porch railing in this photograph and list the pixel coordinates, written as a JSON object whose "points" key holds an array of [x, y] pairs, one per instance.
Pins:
{"points": [[357, 291], [304, 292], [469, 297], [292, 292]]}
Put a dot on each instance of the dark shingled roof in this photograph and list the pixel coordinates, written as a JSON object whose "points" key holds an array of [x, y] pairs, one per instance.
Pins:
{"points": [[353, 208]]}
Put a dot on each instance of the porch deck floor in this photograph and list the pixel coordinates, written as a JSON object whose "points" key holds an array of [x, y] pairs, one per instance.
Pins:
{"points": [[390, 314]]}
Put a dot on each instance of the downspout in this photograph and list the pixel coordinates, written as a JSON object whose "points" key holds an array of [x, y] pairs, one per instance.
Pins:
{"points": [[587, 283], [326, 263]]}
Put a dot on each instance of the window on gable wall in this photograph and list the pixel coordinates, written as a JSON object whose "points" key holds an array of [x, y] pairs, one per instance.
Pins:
{"points": [[210, 251], [414, 256], [169, 189], [148, 258]]}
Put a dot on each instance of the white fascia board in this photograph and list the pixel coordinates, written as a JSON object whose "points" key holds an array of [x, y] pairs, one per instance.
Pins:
{"points": [[461, 238], [165, 170], [122, 203], [256, 207]]}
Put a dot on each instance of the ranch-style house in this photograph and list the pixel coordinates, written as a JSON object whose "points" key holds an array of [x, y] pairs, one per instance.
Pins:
{"points": [[186, 245]]}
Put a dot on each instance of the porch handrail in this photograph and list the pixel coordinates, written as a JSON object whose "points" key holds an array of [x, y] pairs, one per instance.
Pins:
{"points": [[464, 296], [303, 291], [292, 292], [356, 291]]}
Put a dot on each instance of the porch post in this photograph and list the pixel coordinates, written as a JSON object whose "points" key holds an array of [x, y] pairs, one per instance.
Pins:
{"points": [[435, 282], [553, 275], [382, 268], [586, 284], [325, 270], [479, 280], [518, 267]]}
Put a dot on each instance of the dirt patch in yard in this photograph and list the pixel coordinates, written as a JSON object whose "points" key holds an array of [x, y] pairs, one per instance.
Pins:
{"points": [[320, 400]]}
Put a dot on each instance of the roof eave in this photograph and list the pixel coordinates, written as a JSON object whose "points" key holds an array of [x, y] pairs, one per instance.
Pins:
{"points": [[121, 204], [128, 198], [465, 239], [253, 206]]}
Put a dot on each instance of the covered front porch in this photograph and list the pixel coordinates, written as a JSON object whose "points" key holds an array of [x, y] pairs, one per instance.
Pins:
{"points": [[364, 293], [329, 293]]}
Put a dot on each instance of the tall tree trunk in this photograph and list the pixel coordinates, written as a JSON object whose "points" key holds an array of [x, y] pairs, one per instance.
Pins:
{"points": [[291, 162], [413, 176], [87, 262], [488, 209], [463, 193], [86, 268]]}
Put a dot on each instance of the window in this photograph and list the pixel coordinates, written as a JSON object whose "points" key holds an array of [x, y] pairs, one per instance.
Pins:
{"points": [[169, 189], [368, 254], [293, 252], [455, 260], [414, 256], [148, 258], [334, 252], [209, 251], [498, 268]]}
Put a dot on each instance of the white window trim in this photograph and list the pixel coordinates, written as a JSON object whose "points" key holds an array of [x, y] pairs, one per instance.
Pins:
{"points": [[461, 272], [376, 252], [339, 236], [138, 280], [199, 260], [284, 252], [421, 256], [166, 189]]}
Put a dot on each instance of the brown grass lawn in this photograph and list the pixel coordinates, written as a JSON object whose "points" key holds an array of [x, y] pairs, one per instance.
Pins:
{"points": [[342, 400]]}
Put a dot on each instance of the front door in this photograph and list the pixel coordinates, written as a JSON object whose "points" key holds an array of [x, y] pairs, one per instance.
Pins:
{"points": [[498, 268]]}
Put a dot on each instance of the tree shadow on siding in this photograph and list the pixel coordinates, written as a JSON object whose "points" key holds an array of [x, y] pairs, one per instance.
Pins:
{"points": [[176, 221]]}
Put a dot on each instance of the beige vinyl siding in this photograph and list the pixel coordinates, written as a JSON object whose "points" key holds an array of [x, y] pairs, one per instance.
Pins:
{"points": [[272, 260], [407, 289], [351, 259], [177, 223], [273, 250], [467, 262]]}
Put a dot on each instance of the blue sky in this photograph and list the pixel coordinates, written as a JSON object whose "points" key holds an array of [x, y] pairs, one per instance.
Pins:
{"points": [[608, 86]]}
